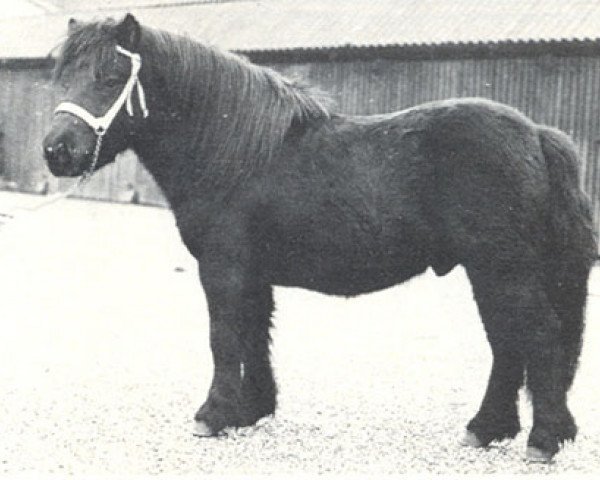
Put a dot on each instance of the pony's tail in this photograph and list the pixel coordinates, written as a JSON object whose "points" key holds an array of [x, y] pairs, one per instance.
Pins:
{"points": [[571, 244]]}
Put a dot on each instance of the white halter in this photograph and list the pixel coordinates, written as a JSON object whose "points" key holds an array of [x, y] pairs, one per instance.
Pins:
{"points": [[101, 124]]}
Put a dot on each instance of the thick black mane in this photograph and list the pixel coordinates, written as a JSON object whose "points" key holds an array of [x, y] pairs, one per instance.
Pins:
{"points": [[238, 112]]}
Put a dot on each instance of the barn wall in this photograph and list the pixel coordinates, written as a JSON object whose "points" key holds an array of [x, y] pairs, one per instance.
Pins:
{"points": [[560, 91], [24, 115]]}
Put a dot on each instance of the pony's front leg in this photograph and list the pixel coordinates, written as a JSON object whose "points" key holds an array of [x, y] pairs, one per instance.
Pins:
{"points": [[242, 389]]}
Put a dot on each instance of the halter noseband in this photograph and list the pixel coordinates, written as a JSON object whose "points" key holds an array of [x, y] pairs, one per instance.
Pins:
{"points": [[101, 124]]}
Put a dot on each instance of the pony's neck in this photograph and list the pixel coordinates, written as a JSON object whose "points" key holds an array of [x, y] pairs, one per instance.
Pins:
{"points": [[214, 117]]}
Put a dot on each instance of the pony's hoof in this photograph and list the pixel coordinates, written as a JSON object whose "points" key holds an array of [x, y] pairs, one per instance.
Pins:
{"points": [[535, 455], [201, 429], [470, 440]]}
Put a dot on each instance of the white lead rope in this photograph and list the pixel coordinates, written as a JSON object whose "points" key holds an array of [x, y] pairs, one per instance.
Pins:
{"points": [[55, 197]]}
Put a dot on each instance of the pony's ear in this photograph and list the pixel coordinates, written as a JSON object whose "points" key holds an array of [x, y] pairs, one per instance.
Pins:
{"points": [[129, 32], [73, 26]]}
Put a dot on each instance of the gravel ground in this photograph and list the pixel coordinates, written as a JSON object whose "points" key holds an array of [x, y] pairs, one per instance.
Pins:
{"points": [[104, 358]]}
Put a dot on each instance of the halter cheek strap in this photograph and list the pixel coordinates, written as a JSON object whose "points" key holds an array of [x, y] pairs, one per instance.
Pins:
{"points": [[101, 124]]}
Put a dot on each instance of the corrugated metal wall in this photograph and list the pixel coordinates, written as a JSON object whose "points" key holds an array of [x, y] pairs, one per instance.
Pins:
{"points": [[559, 91]]}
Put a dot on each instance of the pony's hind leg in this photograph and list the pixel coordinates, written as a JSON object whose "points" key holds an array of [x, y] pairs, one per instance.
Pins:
{"points": [[547, 373], [551, 371], [498, 416], [518, 303], [567, 290]]}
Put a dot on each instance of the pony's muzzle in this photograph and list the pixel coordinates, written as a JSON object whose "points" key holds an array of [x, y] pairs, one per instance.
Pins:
{"points": [[63, 156], [59, 157], [55, 153]]}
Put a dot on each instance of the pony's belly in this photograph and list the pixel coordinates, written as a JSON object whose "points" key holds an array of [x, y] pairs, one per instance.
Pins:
{"points": [[346, 254], [347, 278]]}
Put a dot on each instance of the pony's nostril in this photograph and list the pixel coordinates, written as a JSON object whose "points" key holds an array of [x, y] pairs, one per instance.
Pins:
{"points": [[55, 152], [49, 152]]}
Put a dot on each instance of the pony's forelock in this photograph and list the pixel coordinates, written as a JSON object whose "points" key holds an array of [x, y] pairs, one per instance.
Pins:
{"points": [[92, 43]]}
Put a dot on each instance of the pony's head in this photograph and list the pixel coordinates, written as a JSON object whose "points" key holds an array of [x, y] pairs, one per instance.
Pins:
{"points": [[103, 97]]}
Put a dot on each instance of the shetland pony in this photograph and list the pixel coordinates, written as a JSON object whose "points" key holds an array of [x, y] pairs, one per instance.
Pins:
{"points": [[270, 186]]}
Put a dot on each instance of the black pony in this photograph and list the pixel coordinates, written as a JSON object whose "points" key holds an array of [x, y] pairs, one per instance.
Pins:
{"points": [[270, 187]]}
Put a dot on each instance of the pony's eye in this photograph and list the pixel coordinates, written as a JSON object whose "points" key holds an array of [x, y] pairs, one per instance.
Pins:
{"points": [[64, 85], [112, 82]]}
